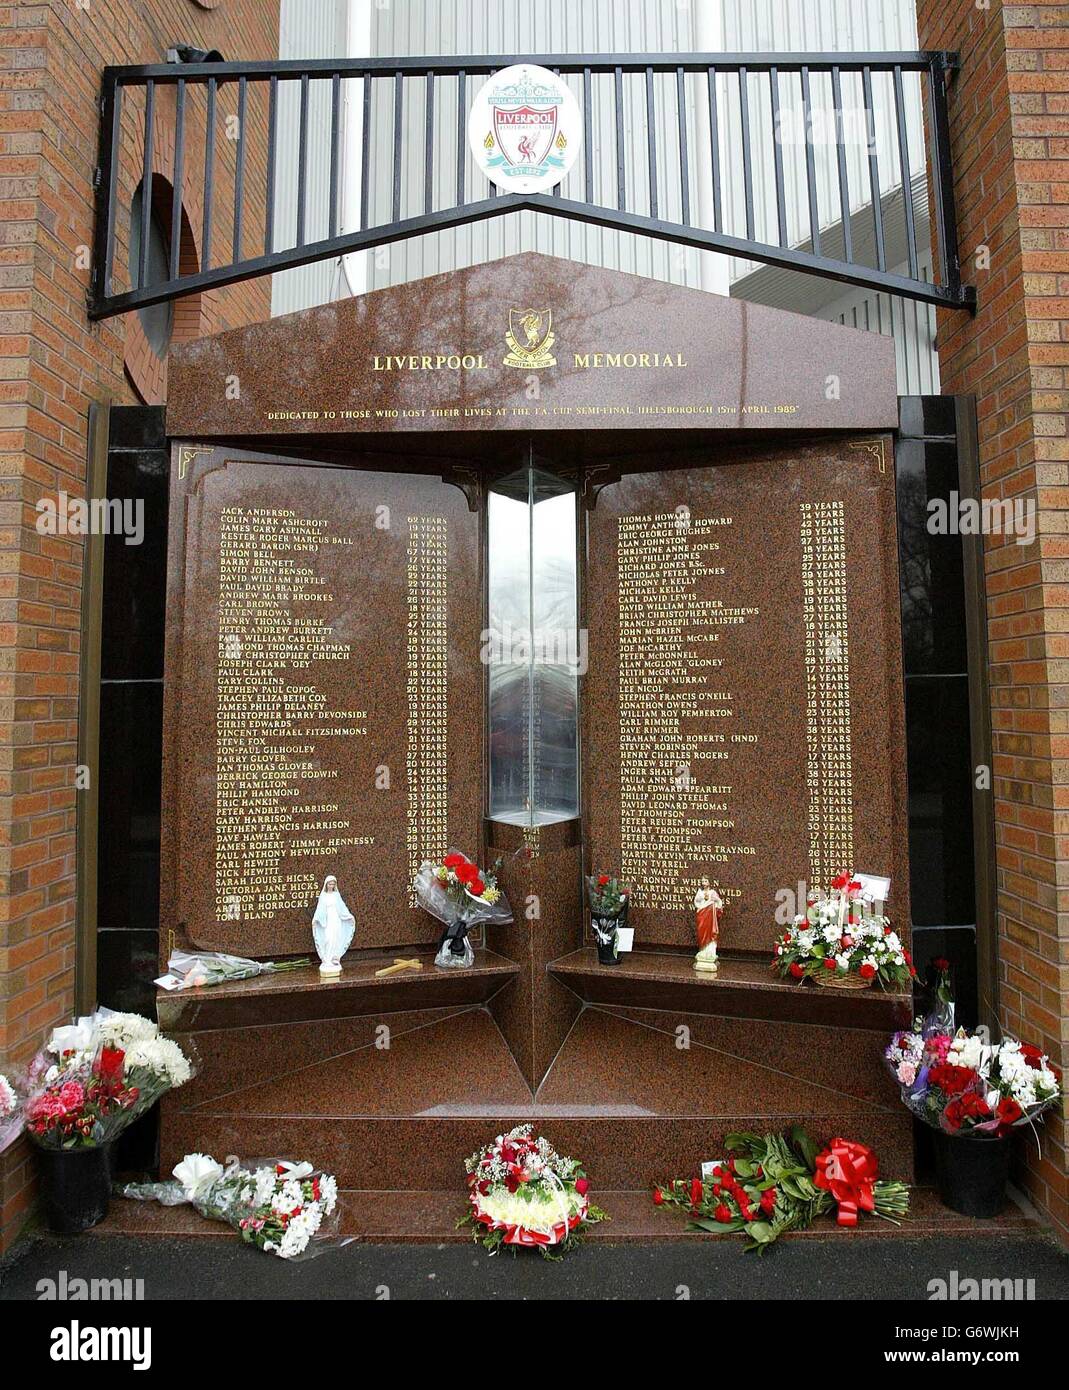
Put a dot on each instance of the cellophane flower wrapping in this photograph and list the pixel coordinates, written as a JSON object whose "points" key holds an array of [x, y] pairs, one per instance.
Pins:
{"points": [[448, 892], [285, 1208], [460, 895], [964, 1084], [11, 1104], [99, 1074], [198, 969]]}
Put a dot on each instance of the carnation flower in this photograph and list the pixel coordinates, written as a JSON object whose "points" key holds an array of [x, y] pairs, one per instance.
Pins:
{"points": [[8, 1099]]}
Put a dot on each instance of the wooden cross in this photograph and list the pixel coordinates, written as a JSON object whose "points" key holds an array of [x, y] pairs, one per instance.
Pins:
{"points": [[399, 964]]}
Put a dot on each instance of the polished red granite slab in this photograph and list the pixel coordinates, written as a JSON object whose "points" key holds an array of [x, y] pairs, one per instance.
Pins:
{"points": [[622, 1093], [431, 1217], [297, 995], [742, 988], [430, 355], [456, 1065]]}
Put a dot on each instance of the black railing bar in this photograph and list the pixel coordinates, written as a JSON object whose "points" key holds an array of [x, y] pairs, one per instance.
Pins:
{"points": [[651, 141], [480, 63], [365, 147], [943, 176], [777, 156], [272, 150], [295, 256], [335, 151], [747, 168], [302, 162], [239, 171], [209, 178], [621, 158], [462, 143], [588, 124], [714, 144], [398, 131], [844, 170], [810, 163], [874, 170], [107, 181], [684, 153], [787, 257], [556, 189], [146, 183], [907, 187], [178, 176], [428, 139]]}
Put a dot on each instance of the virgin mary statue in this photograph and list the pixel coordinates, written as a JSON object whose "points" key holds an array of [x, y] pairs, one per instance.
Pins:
{"points": [[332, 927]]}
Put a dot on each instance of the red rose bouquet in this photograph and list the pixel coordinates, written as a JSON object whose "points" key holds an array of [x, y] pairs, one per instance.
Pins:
{"points": [[776, 1183], [460, 895], [524, 1194]]}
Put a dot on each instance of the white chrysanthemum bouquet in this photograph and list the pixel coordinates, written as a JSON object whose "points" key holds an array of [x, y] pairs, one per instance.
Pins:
{"points": [[96, 1076], [283, 1208]]}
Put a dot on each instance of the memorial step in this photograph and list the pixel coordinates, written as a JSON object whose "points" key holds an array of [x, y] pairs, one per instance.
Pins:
{"points": [[629, 1092], [431, 1217]]}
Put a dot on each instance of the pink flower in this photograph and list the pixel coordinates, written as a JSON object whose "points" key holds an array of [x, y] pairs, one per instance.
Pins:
{"points": [[907, 1073], [72, 1095]]}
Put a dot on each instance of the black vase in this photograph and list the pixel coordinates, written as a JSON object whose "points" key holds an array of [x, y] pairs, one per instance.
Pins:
{"points": [[74, 1187], [972, 1174], [608, 926]]}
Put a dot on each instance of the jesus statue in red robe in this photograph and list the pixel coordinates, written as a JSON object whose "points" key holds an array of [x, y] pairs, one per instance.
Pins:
{"points": [[707, 908]]}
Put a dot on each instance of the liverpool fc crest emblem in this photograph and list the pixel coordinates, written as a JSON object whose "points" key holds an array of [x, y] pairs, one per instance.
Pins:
{"points": [[525, 129], [530, 337]]}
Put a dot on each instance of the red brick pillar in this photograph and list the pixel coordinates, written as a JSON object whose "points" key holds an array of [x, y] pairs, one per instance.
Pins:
{"points": [[1009, 117], [53, 364]]}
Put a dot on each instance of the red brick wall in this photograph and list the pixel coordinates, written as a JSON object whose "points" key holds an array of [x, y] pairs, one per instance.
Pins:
{"points": [[1010, 139], [53, 363]]}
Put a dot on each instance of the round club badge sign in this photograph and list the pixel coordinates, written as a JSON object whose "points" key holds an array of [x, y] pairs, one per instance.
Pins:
{"points": [[525, 129]]}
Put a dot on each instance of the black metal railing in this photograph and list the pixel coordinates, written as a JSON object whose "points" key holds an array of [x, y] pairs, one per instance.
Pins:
{"points": [[675, 126]]}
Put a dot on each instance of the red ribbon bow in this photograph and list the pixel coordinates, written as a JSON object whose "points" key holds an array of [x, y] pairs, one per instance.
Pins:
{"points": [[848, 1171]]}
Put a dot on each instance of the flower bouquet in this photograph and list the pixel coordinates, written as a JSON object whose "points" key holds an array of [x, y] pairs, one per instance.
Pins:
{"points": [[10, 1113], [841, 941], [192, 969], [779, 1183], [609, 900], [461, 896], [524, 1194], [974, 1093], [285, 1209], [95, 1077], [965, 1085]]}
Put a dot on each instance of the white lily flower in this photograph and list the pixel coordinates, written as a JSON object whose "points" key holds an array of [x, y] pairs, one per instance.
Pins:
{"points": [[197, 1173]]}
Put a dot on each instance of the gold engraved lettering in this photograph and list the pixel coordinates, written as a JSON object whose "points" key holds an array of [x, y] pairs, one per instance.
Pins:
{"points": [[678, 721], [829, 750], [427, 650]]}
